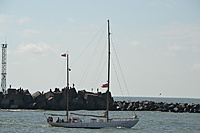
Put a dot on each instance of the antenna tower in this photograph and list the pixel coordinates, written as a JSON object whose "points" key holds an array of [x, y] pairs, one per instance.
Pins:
{"points": [[3, 72]]}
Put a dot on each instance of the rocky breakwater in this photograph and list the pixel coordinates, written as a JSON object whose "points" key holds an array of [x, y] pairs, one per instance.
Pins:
{"points": [[83, 100], [54, 100], [156, 106]]}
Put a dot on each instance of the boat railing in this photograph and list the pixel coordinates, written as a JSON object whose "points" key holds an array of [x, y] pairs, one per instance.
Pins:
{"points": [[88, 115]]}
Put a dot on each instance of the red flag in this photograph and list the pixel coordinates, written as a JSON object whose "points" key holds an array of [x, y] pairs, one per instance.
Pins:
{"points": [[105, 85], [64, 55]]}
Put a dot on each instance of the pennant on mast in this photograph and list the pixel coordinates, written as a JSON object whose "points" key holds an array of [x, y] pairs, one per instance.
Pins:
{"points": [[63, 55], [105, 85]]}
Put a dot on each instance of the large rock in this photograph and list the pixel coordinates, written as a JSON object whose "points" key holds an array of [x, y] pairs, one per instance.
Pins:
{"points": [[27, 99], [125, 105], [81, 93], [5, 103], [72, 93], [58, 96], [14, 96], [14, 106], [90, 101], [51, 101], [48, 95], [36, 95], [41, 98], [1, 96], [63, 103], [141, 108], [52, 104], [100, 103], [11, 91], [32, 106], [119, 105], [176, 109], [130, 105], [42, 105], [77, 104], [18, 102]]}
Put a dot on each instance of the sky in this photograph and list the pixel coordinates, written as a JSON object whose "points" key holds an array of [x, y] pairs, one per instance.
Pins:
{"points": [[157, 43]]}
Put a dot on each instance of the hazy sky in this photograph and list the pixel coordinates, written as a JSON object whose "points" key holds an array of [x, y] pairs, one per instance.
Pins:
{"points": [[157, 43]]}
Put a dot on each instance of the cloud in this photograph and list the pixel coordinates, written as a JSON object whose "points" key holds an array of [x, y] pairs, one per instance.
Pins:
{"points": [[135, 43], [195, 49], [9, 18], [178, 31], [169, 54], [176, 48], [172, 50], [168, 3], [29, 32], [5, 18], [2, 18], [70, 20], [180, 38], [23, 20], [2, 34], [12, 20], [35, 48], [196, 66]]}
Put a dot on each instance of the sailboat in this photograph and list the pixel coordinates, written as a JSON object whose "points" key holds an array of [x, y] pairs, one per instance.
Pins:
{"points": [[96, 121]]}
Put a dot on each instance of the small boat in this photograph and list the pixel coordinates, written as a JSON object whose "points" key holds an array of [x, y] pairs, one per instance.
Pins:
{"points": [[95, 121]]}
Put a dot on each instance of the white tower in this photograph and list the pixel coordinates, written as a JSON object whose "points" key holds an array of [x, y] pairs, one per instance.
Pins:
{"points": [[3, 72]]}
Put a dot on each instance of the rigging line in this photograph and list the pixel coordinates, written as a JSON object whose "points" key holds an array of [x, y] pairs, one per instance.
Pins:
{"points": [[117, 78], [100, 72], [96, 76], [60, 74], [122, 75], [103, 27], [120, 68], [87, 70], [100, 57], [89, 64]]}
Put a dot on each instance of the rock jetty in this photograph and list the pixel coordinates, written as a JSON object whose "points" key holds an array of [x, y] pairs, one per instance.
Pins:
{"points": [[156, 106], [54, 100], [83, 100]]}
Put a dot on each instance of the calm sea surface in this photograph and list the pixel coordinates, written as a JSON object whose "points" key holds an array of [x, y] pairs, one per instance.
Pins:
{"points": [[24, 121], [160, 99]]}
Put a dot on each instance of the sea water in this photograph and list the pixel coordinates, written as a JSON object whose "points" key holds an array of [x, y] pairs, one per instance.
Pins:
{"points": [[160, 99], [23, 121]]}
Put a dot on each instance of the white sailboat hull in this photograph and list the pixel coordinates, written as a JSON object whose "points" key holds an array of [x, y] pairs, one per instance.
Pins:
{"points": [[125, 124]]}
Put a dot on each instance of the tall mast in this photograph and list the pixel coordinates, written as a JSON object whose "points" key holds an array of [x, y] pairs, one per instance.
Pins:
{"points": [[108, 71], [67, 89]]}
